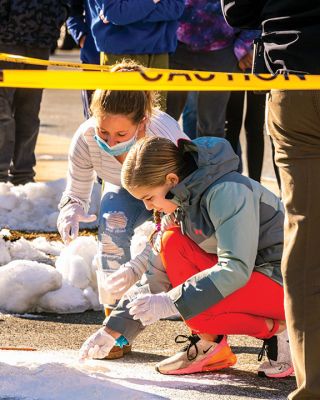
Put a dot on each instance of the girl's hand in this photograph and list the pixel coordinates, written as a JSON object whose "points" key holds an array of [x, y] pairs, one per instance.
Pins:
{"points": [[149, 308], [98, 345]]}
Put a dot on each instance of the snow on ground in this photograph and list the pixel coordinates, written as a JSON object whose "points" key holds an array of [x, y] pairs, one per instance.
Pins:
{"points": [[34, 206], [59, 375], [28, 281], [42, 276]]}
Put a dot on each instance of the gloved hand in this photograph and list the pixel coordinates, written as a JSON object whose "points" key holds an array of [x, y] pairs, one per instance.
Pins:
{"points": [[121, 280], [98, 345], [149, 308], [69, 218]]}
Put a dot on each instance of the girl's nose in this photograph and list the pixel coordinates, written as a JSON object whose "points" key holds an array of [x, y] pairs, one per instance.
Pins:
{"points": [[148, 205]]}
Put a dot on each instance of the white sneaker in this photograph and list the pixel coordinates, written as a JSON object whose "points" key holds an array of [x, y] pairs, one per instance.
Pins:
{"points": [[279, 364], [198, 356]]}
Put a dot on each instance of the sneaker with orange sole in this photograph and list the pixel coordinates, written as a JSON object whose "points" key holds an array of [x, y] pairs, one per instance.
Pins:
{"points": [[198, 356]]}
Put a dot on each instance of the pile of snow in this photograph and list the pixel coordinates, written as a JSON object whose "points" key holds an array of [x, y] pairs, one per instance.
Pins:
{"points": [[34, 206], [43, 276], [66, 284]]}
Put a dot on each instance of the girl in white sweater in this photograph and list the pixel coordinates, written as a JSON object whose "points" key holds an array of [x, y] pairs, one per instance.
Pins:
{"points": [[99, 147]]}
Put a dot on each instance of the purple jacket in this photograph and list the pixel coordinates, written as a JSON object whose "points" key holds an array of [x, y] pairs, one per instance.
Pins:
{"points": [[203, 28]]}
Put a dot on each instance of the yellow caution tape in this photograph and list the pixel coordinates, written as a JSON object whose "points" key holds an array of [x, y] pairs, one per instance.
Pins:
{"points": [[14, 58], [154, 80], [49, 63], [150, 79]]}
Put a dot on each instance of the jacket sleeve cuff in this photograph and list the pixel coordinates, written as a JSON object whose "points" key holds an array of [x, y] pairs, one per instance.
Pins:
{"points": [[195, 296]]}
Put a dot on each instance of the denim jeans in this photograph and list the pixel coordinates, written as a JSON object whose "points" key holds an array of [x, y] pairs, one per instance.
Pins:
{"points": [[189, 115], [120, 213], [211, 106]]}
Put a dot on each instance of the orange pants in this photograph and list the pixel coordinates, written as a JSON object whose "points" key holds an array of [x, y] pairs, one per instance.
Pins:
{"points": [[244, 312]]}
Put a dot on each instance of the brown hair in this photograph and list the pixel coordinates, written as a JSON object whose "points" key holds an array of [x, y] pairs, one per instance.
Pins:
{"points": [[149, 161], [132, 103]]}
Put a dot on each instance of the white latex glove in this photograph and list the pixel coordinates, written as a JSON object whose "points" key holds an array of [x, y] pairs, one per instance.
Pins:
{"points": [[98, 345], [68, 221], [149, 308], [122, 280]]}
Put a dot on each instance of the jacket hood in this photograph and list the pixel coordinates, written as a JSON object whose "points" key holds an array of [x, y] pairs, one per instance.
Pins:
{"points": [[214, 158]]}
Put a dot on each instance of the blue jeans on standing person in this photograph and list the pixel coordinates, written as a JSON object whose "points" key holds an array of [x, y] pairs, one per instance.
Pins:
{"points": [[211, 105], [189, 115], [120, 213]]}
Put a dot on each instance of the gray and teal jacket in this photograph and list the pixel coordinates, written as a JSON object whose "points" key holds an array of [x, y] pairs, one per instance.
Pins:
{"points": [[226, 214]]}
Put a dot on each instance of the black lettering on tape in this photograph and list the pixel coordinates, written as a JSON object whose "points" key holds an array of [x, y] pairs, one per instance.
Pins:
{"points": [[205, 79], [173, 75], [148, 78], [266, 78]]}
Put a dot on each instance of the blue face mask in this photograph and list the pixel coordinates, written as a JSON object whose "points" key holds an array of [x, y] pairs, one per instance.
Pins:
{"points": [[117, 149]]}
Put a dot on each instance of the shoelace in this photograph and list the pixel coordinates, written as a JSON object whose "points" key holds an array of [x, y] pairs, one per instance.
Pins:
{"points": [[263, 351], [269, 348], [193, 339]]}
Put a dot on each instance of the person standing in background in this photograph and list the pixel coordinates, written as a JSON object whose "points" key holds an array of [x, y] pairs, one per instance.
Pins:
{"points": [[247, 109], [290, 40], [79, 26], [141, 30], [207, 43], [26, 29]]}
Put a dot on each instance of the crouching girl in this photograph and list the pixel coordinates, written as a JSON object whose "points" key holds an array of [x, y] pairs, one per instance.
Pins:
{"points": [[222, 256]]}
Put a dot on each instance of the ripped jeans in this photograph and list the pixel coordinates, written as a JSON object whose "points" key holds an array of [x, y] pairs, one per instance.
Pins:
{"points": [[120, 213]]}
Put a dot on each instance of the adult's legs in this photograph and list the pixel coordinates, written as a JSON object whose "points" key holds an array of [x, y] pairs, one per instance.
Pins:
{"points": [[189, 115], [254, 128], [120, 213], [7, 131], [293, 120], [26, 108], [234, 117], [275, 167], [176, 101], [7, 121], [86, 96], [212, 105]]}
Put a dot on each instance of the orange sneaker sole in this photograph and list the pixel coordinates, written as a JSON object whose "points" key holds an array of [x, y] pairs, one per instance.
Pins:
{"points": [[229, 362]]}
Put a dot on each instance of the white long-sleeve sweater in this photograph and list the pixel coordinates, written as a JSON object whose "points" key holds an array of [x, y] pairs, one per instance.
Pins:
{"points": [[86, 159]]}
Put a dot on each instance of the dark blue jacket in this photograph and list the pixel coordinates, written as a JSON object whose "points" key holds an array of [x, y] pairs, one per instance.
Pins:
{"points": [[31, 22], [136, 26], [79, 24]]}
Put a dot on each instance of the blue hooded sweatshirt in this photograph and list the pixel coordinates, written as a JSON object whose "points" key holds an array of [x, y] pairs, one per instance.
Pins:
{"points": [[135, 26]]}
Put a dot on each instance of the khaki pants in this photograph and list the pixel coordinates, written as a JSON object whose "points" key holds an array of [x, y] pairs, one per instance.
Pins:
{"points": [[293, 120], [147, 60]]}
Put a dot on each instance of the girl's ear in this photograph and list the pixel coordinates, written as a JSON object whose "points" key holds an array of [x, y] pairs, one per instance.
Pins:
{"points": [[172, 179], [143, 124]]}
